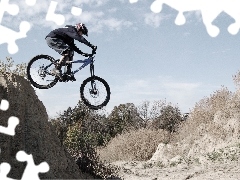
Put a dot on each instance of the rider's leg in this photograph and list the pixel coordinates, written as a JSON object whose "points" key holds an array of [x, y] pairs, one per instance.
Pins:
{"points": [[63, 59], [60, 46], [69, 66]]}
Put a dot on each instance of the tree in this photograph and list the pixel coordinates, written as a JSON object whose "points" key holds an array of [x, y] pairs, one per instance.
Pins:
{"points": [[149, 111], [89, 123], [123, 117], [169, 118]]}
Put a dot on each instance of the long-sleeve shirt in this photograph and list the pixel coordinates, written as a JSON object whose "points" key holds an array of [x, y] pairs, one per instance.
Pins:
{"points": [[68, 34]]}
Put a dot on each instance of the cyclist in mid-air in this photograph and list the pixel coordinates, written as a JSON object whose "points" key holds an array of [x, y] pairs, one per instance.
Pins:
{"points": [[62, 41]]}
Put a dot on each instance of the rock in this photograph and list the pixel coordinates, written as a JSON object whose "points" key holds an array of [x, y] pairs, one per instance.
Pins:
{"points": [[177, 159], [34, 134], [162, 154]]}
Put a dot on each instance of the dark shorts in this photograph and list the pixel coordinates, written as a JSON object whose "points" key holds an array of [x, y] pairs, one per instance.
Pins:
{"points": [[57, 44]]}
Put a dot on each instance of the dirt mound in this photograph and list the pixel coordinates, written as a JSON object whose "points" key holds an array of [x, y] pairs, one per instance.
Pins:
{"points": [[34, 134], [206, 145]]}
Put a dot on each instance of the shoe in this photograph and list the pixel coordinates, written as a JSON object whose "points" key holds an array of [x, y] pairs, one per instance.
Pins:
{"points": [[72, 78], [57, 71]]}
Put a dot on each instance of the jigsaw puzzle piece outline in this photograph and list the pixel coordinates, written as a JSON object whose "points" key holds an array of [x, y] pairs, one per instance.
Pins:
{"points": [[9, 36], [232, 9], [133, 1], [76, 11], [12, 9], [209, 10], [4, 170], [4, 105], [12, 124], [30, 2], [31, 171], [59, 19]]}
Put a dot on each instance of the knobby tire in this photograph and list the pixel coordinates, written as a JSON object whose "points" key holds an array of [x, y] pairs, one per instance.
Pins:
{"points": [[85, 100], [40, 86]]}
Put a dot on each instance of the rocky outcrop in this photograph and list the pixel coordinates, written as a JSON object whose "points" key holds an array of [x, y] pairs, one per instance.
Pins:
{"points": [[34, 134]]}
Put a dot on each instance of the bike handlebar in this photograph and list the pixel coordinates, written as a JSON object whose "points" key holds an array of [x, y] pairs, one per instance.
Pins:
{"points": [[93, 51]]}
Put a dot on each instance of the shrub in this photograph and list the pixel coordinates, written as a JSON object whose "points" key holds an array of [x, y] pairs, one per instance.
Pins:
{"points": [[80, 130], [214, 121], [8, 66], [134, 145], [81, 147]]}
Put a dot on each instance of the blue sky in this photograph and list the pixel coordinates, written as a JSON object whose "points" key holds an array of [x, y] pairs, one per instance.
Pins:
{"points": [[142, 55]]}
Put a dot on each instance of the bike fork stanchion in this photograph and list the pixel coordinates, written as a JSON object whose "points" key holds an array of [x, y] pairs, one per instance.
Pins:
{"points": [[92, 75], [92, 69]]}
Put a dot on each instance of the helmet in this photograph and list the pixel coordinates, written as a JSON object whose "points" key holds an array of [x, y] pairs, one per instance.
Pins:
{"points": [[82, 27]]}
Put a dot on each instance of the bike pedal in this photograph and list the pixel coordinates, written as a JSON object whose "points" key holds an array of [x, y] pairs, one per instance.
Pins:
{"points": [[72, 78]]}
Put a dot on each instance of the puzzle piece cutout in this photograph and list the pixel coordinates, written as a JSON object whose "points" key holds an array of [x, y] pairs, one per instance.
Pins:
{"points": [[30, 2], [10, 130], [12, 9], [31, 171], [58, 18], [209, 10], [4, 105], [133, 1], [12, 121], [76, 11], [4, 170], [7, 35]]}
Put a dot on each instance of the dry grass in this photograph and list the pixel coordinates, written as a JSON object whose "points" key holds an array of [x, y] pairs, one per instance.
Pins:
{"points": [[212, 126], [201, 118], [213, 123], [134, 145], [220, 108]]}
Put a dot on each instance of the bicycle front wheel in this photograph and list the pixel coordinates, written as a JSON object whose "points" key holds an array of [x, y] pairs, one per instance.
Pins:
{"points": [[39, 72], [95, 92]]}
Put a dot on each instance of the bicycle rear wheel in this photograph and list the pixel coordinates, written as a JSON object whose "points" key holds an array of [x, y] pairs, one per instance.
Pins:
{"points": [[39, 72], [95, 92]]}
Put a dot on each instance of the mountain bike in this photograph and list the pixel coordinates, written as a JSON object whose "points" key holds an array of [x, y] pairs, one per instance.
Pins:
{"points": [[94, 91]]}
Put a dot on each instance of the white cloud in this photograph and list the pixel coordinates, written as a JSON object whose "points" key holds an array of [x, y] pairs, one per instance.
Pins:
{"points": [[91, 2], [98, 23], [89, 17], [96, 18], [153, 19], [115, 24], [112, 10], [185, 94]]}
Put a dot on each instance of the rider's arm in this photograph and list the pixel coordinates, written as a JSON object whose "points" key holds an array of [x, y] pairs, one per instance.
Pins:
{"points": [[75, 48], [71, 32]]}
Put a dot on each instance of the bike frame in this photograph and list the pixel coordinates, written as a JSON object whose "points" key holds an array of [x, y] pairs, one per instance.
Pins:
{"points": [[84, 62]]}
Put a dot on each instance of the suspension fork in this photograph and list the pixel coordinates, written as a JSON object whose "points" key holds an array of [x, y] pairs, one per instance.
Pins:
{"points": [[92, 69], [93, 85]]}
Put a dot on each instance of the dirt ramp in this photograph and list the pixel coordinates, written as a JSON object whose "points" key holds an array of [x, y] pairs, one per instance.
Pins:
{"points": [[34, 134]]}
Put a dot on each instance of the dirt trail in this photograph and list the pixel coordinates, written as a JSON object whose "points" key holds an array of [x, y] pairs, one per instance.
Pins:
{"points": [[148, 171]]}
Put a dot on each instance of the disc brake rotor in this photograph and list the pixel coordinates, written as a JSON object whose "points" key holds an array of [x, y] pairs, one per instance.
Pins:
{"points": [[42, 72]]}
